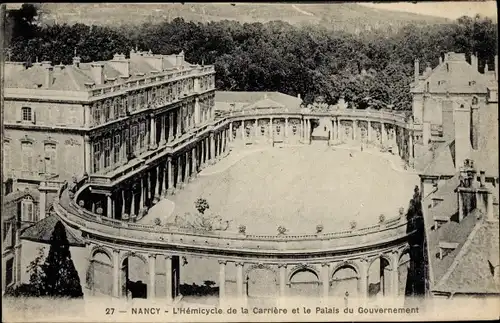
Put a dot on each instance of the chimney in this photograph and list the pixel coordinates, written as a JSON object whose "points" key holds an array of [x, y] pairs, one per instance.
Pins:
{"points": [[179, 59], [417, 69], [49, 74], [121, 64], [496, 67], [97, 70], [482, 178], [462, 135], [448, 122]]}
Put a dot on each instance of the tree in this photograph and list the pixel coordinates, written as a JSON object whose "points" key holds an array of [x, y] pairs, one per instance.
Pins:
{"points": [[57, 276], [201, 205], [61, 278]]}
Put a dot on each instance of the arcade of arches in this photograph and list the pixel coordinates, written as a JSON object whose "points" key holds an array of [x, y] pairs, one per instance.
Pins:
{"points": [[139, 270]]}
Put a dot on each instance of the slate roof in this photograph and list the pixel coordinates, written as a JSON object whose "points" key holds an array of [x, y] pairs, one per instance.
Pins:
{"points": [[471, 272], [73, 78], [465, 269], [42, 231], [256, 99], [453, 75], [442, 161]]}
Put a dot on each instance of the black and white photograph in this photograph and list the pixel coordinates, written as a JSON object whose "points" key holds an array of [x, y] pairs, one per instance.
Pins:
{"points": [[249, 162]]}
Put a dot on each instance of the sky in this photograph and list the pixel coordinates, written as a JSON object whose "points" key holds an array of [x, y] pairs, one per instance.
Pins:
{"points": [[446, 9]]}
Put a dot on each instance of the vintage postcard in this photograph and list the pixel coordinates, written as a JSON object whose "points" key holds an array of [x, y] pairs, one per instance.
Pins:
{"points": [[229, 162]]}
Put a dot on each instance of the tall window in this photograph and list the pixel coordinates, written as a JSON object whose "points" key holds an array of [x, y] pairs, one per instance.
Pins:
{"points": [[133, 138], [125, 142], [116, 108], [133, 102], [97, 112], [107, 152], [7, 167], [142, 133], [9, 272], [28, 210], [107, 111], [27, 156], [116, 150], [97, 156], [50, 159], [26, 114]]}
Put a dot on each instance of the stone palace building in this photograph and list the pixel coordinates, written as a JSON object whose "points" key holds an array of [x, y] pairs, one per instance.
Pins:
{"points": [[103, 142]]}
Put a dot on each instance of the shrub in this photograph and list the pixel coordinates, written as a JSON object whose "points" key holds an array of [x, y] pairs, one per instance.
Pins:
{"points": [[381, 218], [353, 224], [157, 221], [201, 205], [242, 229], [319, 228], [281, 230]]}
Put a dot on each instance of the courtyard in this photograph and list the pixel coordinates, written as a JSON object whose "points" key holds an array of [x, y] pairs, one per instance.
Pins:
{"points": [[297, 188]]}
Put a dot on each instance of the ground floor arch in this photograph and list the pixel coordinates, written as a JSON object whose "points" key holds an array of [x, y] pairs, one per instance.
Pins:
{"points": [[304, 282], [345, 279], [100, 271], [379, 274]]}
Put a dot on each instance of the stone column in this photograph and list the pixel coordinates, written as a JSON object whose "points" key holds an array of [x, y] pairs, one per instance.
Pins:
{"points": [[162, 133], [196, 112], [271, 129], [132, 203], [354, 128], [123, 203], [369, 130], [142, 193], [157, 183], [186, 168], [116, 273], [178, 129], [222, 281], [179, 171], [383, 134], [243, 129], [194, 160], [282, 268], [230, 131], [339, 129], [152, 276], [256, 129], [239, 280], [363, 279], [394, 274], [212, 148], [410, 147], [334, 135], [88, 154], [109, 206], [325, 273], [217, 145], [202, 153], [286, 130], [168, 278], [170, 175], [152, 134]]}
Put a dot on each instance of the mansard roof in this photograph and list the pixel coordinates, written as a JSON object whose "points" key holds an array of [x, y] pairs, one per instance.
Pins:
{"points": [[453, 75], [75, 77], [246, 99]]}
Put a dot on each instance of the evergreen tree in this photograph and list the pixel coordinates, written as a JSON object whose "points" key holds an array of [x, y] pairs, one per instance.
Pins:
{"points": [[60, 276]]}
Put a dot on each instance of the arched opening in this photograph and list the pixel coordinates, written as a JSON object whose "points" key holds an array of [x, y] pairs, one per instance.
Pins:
{"points": [[379, 278], [304, 282], [403, 268], [344, 279], [101, 270], [261, 284], [135, 276]]}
